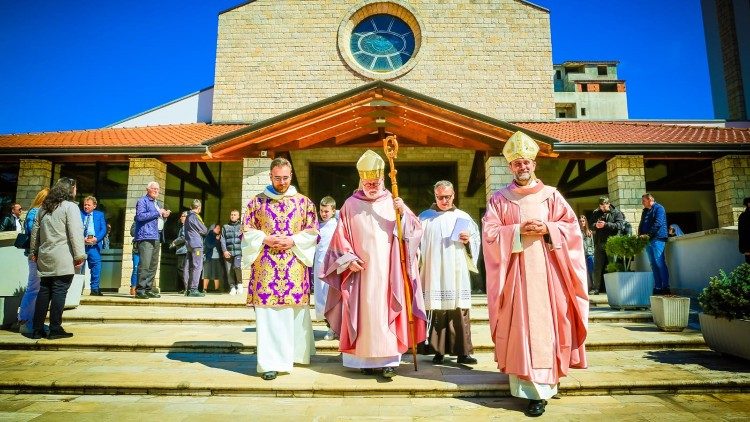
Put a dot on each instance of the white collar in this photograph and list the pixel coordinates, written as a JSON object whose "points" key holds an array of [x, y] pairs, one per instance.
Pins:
{"points": [[276, 196]]}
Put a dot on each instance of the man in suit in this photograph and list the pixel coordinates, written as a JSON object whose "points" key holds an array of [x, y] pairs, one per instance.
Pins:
{"points": [[94, 231], [12, 221]]}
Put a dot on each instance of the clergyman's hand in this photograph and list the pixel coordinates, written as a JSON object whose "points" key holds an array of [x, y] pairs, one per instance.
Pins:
{"points": [[398, 204], [355, 266], [284, 242], [463, 237]]}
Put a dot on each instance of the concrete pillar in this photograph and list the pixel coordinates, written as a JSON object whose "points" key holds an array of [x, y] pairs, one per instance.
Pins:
{"points": [[731, 184], [33, 176], [626, 182], [498, 175], [255, 178], [141, 172]]}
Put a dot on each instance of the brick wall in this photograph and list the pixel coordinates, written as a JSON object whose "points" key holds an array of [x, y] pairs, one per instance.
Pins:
{"points": [[490, 56]]}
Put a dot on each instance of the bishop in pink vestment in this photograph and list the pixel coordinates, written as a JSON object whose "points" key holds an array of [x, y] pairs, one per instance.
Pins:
{"points": [[536, 283], [366, 305]]}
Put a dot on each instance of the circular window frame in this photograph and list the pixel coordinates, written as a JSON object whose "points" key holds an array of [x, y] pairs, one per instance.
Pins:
{"points": [[364, 10]]}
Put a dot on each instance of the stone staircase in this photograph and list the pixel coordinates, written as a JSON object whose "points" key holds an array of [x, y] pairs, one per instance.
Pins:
{"points": [[205, 346]]}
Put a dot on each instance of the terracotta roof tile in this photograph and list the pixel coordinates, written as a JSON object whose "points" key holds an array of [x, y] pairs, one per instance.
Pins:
{"points": [[602, 132], [181, 135]]}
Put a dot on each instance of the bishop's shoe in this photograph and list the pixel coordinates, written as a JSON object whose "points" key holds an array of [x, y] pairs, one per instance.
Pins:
{"points": [[535, 408], [270, 375], [389, 372]]}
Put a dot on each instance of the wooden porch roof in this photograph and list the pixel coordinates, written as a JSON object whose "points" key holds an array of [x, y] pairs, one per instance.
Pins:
{"points": [[360, 117]]}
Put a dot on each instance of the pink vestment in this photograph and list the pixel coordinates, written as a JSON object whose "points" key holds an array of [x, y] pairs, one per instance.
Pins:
{"points": [[367, 308], [537, 298]]}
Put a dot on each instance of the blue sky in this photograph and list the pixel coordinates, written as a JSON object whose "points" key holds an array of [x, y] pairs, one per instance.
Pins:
{"points": [[84, 64]]}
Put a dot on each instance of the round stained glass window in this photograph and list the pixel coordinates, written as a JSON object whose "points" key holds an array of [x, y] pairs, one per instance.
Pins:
{"points": [[382, 43]]}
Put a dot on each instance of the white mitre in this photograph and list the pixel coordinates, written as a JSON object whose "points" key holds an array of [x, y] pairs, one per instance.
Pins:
{"points": [[520, 145], [370, 166]]}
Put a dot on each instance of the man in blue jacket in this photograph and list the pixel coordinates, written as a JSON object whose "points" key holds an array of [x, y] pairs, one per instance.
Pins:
{"points": [[149, 222], [94, 231], [654, 227]]}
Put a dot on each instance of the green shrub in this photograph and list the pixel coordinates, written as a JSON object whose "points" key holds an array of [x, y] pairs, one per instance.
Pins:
{"points": [[728, 296], [623, 249]]}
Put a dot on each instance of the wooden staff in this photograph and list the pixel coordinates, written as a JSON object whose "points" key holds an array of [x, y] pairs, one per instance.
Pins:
{"points": [[390, 146]]}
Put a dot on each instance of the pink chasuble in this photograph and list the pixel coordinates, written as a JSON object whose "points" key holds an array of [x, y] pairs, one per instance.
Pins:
{"points": [[537, 298], [367, 308]]}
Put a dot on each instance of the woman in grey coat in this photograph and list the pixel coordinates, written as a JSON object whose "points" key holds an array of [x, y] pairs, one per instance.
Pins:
{"points": [[58, 250]]}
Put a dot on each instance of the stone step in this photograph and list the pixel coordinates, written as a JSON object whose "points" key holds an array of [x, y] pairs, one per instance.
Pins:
{"points": [[246, 315], [723, 406], [199, 374], [230, 338], [225, 300]]}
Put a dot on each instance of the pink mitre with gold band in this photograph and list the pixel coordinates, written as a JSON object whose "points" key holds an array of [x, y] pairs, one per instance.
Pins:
{"points": [[370, 166], [520, 145]]}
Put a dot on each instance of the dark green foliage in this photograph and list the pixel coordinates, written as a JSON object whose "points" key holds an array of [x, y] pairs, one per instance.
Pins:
{"points": [[623, 249], [728, 296]]}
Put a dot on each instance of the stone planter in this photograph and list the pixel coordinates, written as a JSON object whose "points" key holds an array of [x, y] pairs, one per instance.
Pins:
{"points": [[629, 290], [725, 336], [670, 312], [73, 298]]}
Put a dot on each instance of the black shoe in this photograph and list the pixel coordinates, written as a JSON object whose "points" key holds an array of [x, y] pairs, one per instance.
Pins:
{"points": [[96, 293], [195, 293], [270, 375], [389, 372], [438, 359], [141, 296], [535, 408], [152, 294], [366, 371], [37, 334], [54, 335], [466, 360]]}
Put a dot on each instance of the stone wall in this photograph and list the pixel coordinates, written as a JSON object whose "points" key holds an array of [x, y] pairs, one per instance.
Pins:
{"points": [[493, 57], [732, 184], [33, 176], [626, 183]]}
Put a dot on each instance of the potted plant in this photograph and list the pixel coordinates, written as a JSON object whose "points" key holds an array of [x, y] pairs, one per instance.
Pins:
{"points": [[725, 320], [627, 289]]}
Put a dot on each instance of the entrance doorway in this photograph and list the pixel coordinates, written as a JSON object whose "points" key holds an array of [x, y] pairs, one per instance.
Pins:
{"points": [[415, 182]]}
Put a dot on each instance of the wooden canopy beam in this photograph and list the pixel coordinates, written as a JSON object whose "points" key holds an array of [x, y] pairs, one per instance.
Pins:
{"points": [[477, 177]]}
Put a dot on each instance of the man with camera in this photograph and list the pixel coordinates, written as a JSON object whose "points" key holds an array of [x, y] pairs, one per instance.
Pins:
{"points": [[606, 221]]}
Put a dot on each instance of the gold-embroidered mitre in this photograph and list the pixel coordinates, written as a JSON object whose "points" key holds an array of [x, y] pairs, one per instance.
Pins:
{"points": [[520, 145], [370, 166]]}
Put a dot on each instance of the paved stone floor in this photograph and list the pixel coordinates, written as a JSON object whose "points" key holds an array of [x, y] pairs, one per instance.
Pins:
{"points": [[658, 408]]}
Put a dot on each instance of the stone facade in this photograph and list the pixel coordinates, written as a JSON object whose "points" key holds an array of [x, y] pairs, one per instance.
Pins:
{"points": [[626, 183], [141, 172], [493, 57], [33, 176], [463, 159], [498, 175], [732, 184]]}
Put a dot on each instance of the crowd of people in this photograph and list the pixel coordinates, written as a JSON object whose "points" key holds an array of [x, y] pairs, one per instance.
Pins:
{"points": [[383, 278]]}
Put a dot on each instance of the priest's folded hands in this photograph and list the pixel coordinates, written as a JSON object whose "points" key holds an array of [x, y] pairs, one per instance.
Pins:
{"points": [[534, 227]]}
